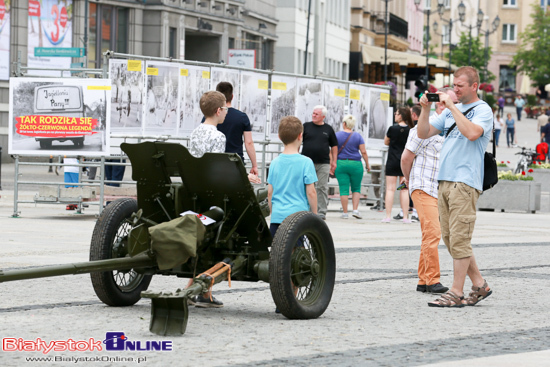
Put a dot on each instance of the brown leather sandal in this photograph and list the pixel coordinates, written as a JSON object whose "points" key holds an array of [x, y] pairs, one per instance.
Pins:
{"points": [[448, 299], [478, 294]]}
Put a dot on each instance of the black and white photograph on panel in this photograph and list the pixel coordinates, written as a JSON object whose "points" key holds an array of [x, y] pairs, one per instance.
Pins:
{"points": [[308, 96], [59, 116], [127, 90], [359, 96], [334, 99], [283, 101], [227, 75], [254, 101], [194, 82], [378, 116], [161, 106]]}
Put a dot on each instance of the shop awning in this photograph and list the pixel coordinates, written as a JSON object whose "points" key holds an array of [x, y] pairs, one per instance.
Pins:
{"points": [[372, 54]]}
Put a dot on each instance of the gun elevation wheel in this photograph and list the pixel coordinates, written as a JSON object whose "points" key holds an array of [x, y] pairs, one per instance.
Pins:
{"points": [[110, 241], [302, 266]]}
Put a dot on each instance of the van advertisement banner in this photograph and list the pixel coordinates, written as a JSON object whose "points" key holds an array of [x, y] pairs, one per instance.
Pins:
{"points": [[59, 116], [50, 25], [5, 39]]}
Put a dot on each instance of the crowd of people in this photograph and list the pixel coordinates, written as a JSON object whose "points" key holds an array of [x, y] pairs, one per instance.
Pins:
{"points": [[438, 163]]}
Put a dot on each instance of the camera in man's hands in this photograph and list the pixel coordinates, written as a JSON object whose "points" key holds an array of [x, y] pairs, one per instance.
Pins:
{"points": [[432, 97]]}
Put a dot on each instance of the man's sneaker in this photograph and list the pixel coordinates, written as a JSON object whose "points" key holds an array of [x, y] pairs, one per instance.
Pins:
{"points": [[398, 216], [344, 216], [436, 288], [421, 288], [356, 214], [205, 302], [414, 218]]}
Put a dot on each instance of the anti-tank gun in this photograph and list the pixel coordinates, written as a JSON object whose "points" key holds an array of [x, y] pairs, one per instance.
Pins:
{"points": [[222, 235]]}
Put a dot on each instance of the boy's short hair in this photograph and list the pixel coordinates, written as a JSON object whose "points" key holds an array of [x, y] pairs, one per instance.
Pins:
{"points": [[210, 102], [290, 128], [226, 89]]}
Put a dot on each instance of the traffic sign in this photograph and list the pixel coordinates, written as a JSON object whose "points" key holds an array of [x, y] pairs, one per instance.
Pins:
{"points": [[59, 51]]}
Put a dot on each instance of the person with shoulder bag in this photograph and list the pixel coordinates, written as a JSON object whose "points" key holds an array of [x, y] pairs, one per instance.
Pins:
{"points": [[349, 170]]}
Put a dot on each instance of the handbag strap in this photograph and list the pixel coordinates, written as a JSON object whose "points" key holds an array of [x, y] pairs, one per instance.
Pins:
{"points": [[343, 145], [493, 130]]}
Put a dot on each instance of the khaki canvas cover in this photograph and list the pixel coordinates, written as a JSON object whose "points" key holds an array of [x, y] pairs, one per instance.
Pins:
{"points": [[175, 241]]}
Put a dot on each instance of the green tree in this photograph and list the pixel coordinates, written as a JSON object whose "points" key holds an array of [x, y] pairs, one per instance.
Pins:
{"points": [[477, 56], [532, 55]]}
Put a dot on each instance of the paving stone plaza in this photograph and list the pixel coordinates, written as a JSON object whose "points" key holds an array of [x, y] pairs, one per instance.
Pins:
{"points": [[376, 318]]}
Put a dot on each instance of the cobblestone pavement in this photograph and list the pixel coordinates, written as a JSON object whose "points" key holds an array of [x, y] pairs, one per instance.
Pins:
{"points": [[376, 318]]}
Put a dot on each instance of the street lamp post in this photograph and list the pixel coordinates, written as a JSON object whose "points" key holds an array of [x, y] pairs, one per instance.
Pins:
{"points": [[487, 32], [441, 10], [462, 17], [427, 12], [386, 21]]}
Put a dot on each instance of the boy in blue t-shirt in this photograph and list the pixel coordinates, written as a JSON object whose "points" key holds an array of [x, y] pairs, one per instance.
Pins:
{"points": [[291, 176]]}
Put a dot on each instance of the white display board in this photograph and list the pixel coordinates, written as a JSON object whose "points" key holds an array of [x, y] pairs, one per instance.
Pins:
{"points": [[308, 95], [59, 116], [334, 99], [161, 101], [283, 101], [242, 58], [254, 88], [127, 95], [194, 82]]}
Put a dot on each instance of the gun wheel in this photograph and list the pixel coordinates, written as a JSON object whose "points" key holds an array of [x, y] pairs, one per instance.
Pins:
{"points": [[110, 241], [302, 266]]}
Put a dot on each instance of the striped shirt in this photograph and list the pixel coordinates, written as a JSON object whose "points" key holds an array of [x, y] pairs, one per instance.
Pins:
{"points": [[425, 167]]}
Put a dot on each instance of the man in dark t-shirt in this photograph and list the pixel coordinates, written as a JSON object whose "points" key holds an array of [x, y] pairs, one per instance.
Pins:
{"points": [[235, 127], [320, 144]]}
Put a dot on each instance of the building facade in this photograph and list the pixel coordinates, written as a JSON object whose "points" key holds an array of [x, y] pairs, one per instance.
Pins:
{"points": [[328, 40], [199, 30]]}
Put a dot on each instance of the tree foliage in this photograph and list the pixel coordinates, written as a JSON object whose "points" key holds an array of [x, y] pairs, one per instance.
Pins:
{"points": [[477, 57], [534, 48]]}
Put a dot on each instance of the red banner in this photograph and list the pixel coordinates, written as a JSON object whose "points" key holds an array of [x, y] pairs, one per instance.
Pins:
{"points": [[55, 126], [34, 8], [2, 9]]}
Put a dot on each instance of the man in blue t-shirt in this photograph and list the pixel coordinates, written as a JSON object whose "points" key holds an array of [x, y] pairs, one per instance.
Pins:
{"points": [[460, 179]]}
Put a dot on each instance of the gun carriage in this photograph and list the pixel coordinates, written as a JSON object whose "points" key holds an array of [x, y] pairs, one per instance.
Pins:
{"points": [[224, 236]]}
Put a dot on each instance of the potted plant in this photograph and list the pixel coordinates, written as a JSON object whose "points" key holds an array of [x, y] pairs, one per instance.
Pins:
{"points": [[513, 192]]}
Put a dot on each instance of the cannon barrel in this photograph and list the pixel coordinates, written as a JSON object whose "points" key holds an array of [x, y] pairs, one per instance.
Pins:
{"points": [[125, 263]]}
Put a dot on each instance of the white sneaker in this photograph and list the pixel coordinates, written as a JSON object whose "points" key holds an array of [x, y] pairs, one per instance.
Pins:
{"points": [[344, 216], [356, 214]]}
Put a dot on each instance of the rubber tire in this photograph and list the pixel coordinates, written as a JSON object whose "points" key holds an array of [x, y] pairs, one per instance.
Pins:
{"points": [[105, 230], [289, 232]]}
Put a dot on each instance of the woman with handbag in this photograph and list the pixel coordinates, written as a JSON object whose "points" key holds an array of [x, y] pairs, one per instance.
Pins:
{"points": [[349, 170], [396, 138]]}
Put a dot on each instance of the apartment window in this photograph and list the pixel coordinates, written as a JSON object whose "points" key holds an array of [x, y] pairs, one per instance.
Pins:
{"points": [[509, 33], [428, 4], [511, 3], [446, 35], [108, 30], [447, 3], [172, 40]]}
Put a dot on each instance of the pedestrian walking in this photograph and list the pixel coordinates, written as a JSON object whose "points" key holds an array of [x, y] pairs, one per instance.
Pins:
{"points": [[499, 124], [396, 138], [519, 103], [510, 130], [349, 169], [320, 144]]}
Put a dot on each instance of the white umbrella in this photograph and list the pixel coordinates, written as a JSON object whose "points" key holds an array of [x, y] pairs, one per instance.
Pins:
{"points": [[547, 87], [525, 85]]}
